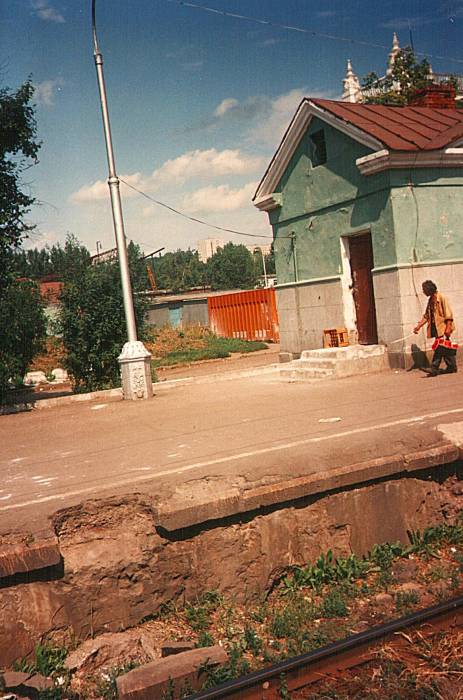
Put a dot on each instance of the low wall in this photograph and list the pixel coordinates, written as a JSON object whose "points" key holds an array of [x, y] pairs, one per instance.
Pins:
{"points": [[118, 565]]}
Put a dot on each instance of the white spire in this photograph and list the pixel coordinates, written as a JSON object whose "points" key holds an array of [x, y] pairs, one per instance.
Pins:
{"points": [[393, 53], [351, 91]]}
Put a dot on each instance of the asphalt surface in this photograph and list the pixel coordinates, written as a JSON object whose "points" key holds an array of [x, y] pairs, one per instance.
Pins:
{"points": [[195, 440]]}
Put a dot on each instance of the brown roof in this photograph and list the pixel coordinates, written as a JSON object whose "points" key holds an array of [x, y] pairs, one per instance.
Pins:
{"points": [[401, 128]]}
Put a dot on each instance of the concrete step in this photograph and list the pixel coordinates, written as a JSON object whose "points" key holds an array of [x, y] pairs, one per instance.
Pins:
{"points": [[350, 352], [301, 373], [336, 362]]}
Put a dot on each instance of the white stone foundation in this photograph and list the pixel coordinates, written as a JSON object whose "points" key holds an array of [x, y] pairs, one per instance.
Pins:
{"points": [[135, 364]]}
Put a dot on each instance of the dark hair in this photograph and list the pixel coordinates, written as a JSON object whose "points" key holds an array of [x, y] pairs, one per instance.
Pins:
{"points": [[429, 286]]}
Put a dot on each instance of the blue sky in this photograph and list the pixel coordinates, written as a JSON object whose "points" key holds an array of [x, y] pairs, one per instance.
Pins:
{"points": [[198, 101]]}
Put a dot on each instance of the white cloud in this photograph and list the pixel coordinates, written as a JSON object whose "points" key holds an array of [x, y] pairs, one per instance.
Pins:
{"points": [[220, 198], [225, 106], [280, 111], [45, 91], [47, 12], [99, 190], [268, 129], [206, 164]]}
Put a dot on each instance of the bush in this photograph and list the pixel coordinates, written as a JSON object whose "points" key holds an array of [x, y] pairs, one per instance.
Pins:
{"points": [[23, 329], [93, 327]]}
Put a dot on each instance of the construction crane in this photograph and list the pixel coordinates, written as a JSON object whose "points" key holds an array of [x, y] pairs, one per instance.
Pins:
{"points": [[149, 269]]}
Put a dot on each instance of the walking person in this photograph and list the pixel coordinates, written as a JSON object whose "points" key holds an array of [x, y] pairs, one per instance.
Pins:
{"points": [[439, 319]]}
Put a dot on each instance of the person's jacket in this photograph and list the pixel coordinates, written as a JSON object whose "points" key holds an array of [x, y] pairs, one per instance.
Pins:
{"points": [[439, 308]]}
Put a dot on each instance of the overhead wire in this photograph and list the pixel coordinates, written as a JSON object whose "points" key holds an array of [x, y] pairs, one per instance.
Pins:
{"points": [[192, 218], [303, 30]]}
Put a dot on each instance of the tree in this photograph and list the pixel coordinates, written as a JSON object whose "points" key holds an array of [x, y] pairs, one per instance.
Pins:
{"points": [[23, 329], [92, 320], [406, 78], [22, 320], [179, 270], [232, 267], [18, 151], [57, 260]]}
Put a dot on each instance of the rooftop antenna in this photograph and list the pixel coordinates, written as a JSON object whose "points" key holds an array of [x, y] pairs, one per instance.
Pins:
{"points": [[411, 36]]}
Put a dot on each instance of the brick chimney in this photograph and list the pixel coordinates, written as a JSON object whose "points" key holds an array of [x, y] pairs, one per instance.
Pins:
{"points": [[435, 96]]}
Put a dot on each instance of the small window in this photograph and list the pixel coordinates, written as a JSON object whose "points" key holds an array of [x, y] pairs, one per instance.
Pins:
{"points": [[318, 148]]}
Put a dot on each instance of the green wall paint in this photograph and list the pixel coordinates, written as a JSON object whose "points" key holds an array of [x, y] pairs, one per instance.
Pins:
{"points": [[323, 203], [427, 215], [319, 205]]}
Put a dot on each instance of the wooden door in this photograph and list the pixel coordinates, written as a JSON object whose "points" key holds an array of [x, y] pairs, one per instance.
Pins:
{"points": [[361, 263]]}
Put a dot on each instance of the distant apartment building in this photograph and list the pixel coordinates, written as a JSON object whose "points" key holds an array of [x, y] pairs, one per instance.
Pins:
{"points": [[207, 247]]}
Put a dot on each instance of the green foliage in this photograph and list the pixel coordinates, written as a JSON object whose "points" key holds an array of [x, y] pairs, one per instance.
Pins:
{"points": [[18, 150], [252, 640], [23, 330], [236, 666], [214, 347], [405, 600], [205, 639], [232, 267], [92, 320], [406, 73], [334, 604], [59, 261], [107, 688], [424, 542], [294, 616], [178, 271], [199, 615], [48, 660], [326, 570]]}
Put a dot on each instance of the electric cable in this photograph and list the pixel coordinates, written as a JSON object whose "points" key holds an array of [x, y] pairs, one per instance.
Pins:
{"points": [[192, 218], [303, 30]]}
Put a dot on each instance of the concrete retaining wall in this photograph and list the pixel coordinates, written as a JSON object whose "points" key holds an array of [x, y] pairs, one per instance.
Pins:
{"points": [[122, 558]]}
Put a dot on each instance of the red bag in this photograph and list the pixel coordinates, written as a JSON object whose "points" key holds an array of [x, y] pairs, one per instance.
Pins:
{"points": [[446, 346]]}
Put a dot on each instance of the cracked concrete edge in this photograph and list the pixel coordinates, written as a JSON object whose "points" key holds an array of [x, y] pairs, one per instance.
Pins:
{"points": [[172, 517], [117, 392], [29, 553]]}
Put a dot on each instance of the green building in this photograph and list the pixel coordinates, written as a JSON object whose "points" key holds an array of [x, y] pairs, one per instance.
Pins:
{"points": [[365, 202]]}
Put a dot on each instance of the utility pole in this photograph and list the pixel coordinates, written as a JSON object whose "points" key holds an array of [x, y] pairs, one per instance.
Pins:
{"points": [[134, 360], [258, 247]]}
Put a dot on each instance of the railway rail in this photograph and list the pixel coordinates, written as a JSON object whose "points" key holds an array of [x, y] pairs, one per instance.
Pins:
{"points": [[327, 662]]}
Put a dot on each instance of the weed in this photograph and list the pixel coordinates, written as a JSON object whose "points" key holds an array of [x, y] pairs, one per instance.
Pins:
{"points": [[405, 600], [283, 690], [198, 617], [47, 660], [236, 666], [260, 613], [289, 621], [437, 573], [458, 556], [382, 555], [253, 642], [107, 687], [334, 604], [326, 570], [205, 639]]}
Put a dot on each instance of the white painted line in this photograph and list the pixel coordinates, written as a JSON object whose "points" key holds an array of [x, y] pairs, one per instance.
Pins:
{"points": [[235, 457]]}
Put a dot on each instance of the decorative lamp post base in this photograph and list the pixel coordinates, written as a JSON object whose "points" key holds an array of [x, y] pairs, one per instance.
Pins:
{"points": [[135, 364]]}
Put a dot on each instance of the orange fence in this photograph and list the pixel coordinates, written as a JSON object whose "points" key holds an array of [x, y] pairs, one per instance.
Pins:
{"points": [[249, 315]]}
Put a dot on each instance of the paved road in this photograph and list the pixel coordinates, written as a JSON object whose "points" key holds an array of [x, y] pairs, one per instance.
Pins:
{"points": [[207, 437]]}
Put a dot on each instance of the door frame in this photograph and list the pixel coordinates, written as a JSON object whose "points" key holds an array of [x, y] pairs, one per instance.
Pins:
{"points": [[350, 309]]}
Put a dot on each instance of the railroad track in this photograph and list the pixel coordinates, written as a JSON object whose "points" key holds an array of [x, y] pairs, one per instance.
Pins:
{"points": [[329, 661]]}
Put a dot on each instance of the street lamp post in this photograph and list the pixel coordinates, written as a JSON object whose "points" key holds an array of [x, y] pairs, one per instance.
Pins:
{"points": [[134, 360], [263, 265]]}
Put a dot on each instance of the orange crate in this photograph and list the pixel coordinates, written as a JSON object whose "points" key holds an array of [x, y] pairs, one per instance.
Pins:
{"points": [[335, 338]]}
